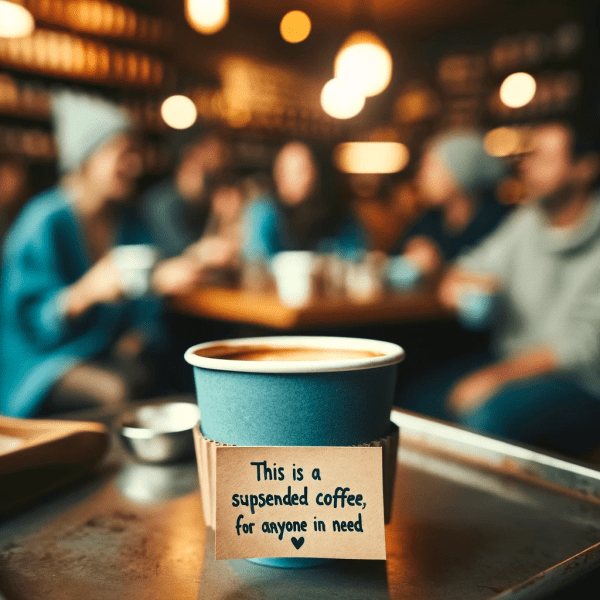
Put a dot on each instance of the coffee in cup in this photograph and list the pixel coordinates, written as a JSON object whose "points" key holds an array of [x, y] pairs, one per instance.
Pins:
{"points": [[285, 353]]}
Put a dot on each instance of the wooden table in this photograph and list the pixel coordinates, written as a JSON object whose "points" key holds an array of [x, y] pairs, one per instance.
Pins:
{"points": [[265, 309]]}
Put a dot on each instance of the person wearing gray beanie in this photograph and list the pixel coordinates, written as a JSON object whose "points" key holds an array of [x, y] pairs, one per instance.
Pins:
{"points": [[82, 124], [537, 381], [457, 180], [470, 167], [71, 318]]}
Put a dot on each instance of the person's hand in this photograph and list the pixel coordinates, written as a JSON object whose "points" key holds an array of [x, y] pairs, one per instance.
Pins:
{"points": [[130, 344], [455, 282], [100, 284], [377, 258], [473, 391], [213, 252], [425, 254], [175, 276]]}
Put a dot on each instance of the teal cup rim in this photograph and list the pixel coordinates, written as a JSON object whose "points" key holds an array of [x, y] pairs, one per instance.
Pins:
{"points": [[391, 354]]}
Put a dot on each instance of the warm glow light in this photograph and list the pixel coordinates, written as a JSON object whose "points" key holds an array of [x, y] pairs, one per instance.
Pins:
{"points": [[295, 26], [502, 141], [371, 157], [207, 16], [415, 105], [15, 20], [517, 90], [341, 100], [238, 118], [178, 112], [364, 61]]}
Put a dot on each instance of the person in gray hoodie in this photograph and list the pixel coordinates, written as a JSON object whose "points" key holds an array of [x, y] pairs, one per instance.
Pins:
{"points": [[536, 281]]}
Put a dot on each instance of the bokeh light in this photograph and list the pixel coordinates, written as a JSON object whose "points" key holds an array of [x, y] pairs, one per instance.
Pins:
{"points": [[502, 141], [341, 100], [295, 26], [371, 157], [416, 104], [15, 20], [364, 61], [517, 90], [207, 16], [178, 112]]}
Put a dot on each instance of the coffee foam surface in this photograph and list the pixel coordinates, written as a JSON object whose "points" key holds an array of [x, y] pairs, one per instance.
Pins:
{"points": [[283, 353]]}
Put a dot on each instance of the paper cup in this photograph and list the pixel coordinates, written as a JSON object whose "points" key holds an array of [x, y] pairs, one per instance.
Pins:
{"points": [[477, 309], [293, 276], [135, 263], [403, 273], [336, 402]]}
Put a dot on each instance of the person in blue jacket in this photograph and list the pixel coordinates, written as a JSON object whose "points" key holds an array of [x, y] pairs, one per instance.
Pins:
{"points": [[64, 308], [306, 211]]}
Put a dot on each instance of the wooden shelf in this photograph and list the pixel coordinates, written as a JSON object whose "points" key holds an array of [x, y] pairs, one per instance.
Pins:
{"points": [[31, 114]]}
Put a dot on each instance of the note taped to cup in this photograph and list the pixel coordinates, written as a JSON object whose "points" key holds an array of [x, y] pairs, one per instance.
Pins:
{"points": [[286, 501]]}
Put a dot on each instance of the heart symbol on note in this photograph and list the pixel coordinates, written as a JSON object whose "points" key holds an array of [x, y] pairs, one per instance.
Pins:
{"points": [[297, 542]]}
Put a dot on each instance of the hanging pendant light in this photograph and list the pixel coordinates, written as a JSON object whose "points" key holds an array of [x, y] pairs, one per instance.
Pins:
{"points": [[517, 90], [364, 62], [207, 16], [15, 20], [178, 112], [340, 100]]}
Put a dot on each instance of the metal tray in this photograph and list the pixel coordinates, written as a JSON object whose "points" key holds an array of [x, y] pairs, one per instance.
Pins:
{"points": [[474, 518]]}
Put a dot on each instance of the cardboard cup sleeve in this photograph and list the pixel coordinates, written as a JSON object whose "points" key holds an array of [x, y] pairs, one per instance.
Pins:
{"points": [[206, 454]]}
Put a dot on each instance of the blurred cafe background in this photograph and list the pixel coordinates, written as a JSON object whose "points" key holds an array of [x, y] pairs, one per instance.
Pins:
{"points": [[291, 167]]}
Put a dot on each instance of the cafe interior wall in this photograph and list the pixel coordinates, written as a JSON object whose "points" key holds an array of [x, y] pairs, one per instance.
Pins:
{"points": [[443, 72]]}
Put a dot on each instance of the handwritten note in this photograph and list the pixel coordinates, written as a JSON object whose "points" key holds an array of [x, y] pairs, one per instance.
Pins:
{"points": [[322, 502]]}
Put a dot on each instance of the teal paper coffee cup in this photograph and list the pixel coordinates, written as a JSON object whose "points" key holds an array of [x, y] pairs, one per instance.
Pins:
{"points": [[295, 391]]}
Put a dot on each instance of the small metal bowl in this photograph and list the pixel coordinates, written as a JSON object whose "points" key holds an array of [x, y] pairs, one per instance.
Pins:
{"points": [[159, 433]]}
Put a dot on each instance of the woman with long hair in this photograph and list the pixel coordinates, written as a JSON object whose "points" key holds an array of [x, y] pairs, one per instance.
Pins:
{"points": [[306, 211]]}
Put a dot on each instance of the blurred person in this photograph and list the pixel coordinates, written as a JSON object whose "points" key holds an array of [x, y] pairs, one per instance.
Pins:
{"points": [[456, 183], [71, 336], [227, 205], [219, 248], [178, 209], [192, 215], [306, 211], [386, 210], [540, 382], [14, 189]]}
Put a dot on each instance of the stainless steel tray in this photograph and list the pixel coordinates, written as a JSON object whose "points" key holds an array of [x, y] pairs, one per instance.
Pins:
{"points": [[474, 518]]}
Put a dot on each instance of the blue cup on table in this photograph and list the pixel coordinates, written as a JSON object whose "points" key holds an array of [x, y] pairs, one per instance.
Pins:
{"points": [[477, 309], [403, 274], [337, 398]]}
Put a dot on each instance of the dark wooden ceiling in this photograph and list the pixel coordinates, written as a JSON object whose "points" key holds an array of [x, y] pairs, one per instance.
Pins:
{"points": [[387, 14], [329, 14], [407, 27]]}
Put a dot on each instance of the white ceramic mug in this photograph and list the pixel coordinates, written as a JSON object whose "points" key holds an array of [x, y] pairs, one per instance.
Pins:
{"points": [[293, 272], [135, 263]]}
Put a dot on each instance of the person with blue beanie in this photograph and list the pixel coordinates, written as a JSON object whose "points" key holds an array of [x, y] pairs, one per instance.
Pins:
{"points": [[457, 180], [66, 308]]}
